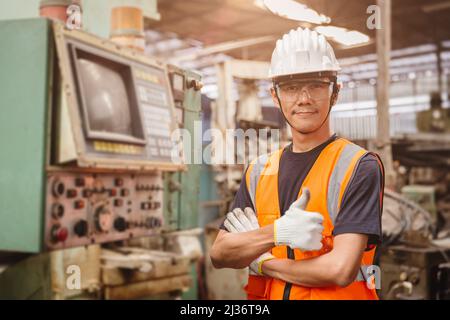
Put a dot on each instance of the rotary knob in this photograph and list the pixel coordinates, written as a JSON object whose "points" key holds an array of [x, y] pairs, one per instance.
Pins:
{"points": [[58, 188], [120, 224], [57, 210], [81, 228]]}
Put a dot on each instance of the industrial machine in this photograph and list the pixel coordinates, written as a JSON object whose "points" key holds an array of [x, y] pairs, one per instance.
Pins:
{"points": [[90, 149], [436, 119], [91, 129], [414, 262], [415, 273]]}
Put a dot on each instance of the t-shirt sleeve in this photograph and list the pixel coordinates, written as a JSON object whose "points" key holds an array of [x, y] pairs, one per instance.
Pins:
{"points": [[361, 207], [242, 198]]}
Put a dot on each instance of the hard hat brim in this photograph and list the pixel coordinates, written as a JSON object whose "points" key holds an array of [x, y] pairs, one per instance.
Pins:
{"points": [[309, 75]]}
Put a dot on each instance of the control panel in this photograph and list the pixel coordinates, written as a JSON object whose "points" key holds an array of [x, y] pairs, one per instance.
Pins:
{"points": [[86, 208]]}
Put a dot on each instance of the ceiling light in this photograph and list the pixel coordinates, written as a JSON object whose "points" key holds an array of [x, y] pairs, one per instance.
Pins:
{"points": [[293, 10], [343, 36]]}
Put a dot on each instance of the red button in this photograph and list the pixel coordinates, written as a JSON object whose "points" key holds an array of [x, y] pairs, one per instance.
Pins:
{"points": [[60, 234], [79, 204], [113, 192]]}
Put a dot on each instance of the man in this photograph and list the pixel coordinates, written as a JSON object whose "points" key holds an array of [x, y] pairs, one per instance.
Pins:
{"points": [[312, 211]]}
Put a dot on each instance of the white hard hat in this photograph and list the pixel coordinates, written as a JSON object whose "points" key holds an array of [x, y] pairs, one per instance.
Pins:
{"points": [[302, 51]]}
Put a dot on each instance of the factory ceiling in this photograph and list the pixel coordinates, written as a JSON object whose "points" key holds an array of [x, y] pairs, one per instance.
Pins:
{"points": [[213, 22]]}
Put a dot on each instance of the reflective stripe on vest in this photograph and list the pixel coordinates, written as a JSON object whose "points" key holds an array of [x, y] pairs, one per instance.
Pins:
{"points": [[257, 169], [334, 185]]}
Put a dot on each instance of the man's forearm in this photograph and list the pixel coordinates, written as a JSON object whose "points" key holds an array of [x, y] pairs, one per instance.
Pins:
{"points": [[339, 267], [307, 273], [238, 250]]}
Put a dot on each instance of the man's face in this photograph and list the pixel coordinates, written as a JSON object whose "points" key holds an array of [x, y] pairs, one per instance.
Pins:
{"points": [[305, 103]]}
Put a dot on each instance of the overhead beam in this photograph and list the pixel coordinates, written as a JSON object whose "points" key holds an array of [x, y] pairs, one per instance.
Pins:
{"points": [[195, 53], [444, 5]]}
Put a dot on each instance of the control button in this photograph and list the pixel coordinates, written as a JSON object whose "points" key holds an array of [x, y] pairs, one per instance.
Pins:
{"points": [[81, 228], [57, 210], [153, 222], [59, 234], [118, 182], [120, 224], [124, 192], [113, 192], [145, 205], [79, 182], [58, 188], [71, 193], [149, 223], [79, 204], [118, 202], [87, 193]]}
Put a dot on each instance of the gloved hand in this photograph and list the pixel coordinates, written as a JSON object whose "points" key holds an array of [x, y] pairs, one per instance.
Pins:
{"points": [[256, 265], [243, 221], [299, 229]]}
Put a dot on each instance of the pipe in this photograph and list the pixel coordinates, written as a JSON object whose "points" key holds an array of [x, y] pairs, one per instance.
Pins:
{"points": [[127, 27]]}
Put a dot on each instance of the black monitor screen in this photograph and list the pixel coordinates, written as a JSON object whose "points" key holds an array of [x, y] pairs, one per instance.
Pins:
{"points": [[108, 98]]}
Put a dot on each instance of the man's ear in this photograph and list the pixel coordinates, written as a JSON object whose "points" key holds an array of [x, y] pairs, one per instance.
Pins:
{"points": [[335, 94], [274, 97]]}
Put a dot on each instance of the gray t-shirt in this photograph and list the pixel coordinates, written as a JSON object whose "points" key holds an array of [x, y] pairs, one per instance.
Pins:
{"points": [[360, 210]]}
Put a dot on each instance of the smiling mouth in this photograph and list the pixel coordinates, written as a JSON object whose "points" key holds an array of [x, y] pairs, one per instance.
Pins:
{"points": [[303, 113]]}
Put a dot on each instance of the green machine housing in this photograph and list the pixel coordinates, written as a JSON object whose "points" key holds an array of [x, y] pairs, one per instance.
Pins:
{"points": [[67, 179], [183, 188]]}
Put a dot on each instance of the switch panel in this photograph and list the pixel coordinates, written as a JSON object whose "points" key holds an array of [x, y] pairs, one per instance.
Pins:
{"points": [[83, 208]]}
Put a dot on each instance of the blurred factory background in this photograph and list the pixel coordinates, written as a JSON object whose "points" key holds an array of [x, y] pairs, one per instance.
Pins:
{"points": [[100, 196]]}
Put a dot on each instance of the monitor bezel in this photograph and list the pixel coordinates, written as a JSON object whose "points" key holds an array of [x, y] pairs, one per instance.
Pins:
{"points": [[135, 113]]}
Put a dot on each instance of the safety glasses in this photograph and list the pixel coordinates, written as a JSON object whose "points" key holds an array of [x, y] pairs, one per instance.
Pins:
{"points": [[315, 89]]}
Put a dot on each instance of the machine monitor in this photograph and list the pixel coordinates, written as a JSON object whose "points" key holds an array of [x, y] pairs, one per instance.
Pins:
{"points": [[119, 107], [108, 99]]}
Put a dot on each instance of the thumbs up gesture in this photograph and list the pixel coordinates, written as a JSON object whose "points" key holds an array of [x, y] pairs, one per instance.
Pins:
{"points": [[298, 228]]}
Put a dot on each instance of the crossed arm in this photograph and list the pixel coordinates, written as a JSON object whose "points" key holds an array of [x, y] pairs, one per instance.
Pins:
{"points": [[338, 267]]}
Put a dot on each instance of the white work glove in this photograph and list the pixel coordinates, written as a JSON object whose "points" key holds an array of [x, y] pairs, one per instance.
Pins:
{"points": [[244, 221], [241, 221], [299, 229]]}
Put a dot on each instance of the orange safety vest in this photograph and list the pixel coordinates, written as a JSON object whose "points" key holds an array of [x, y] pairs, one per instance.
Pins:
{"points": [[327, 181]]}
